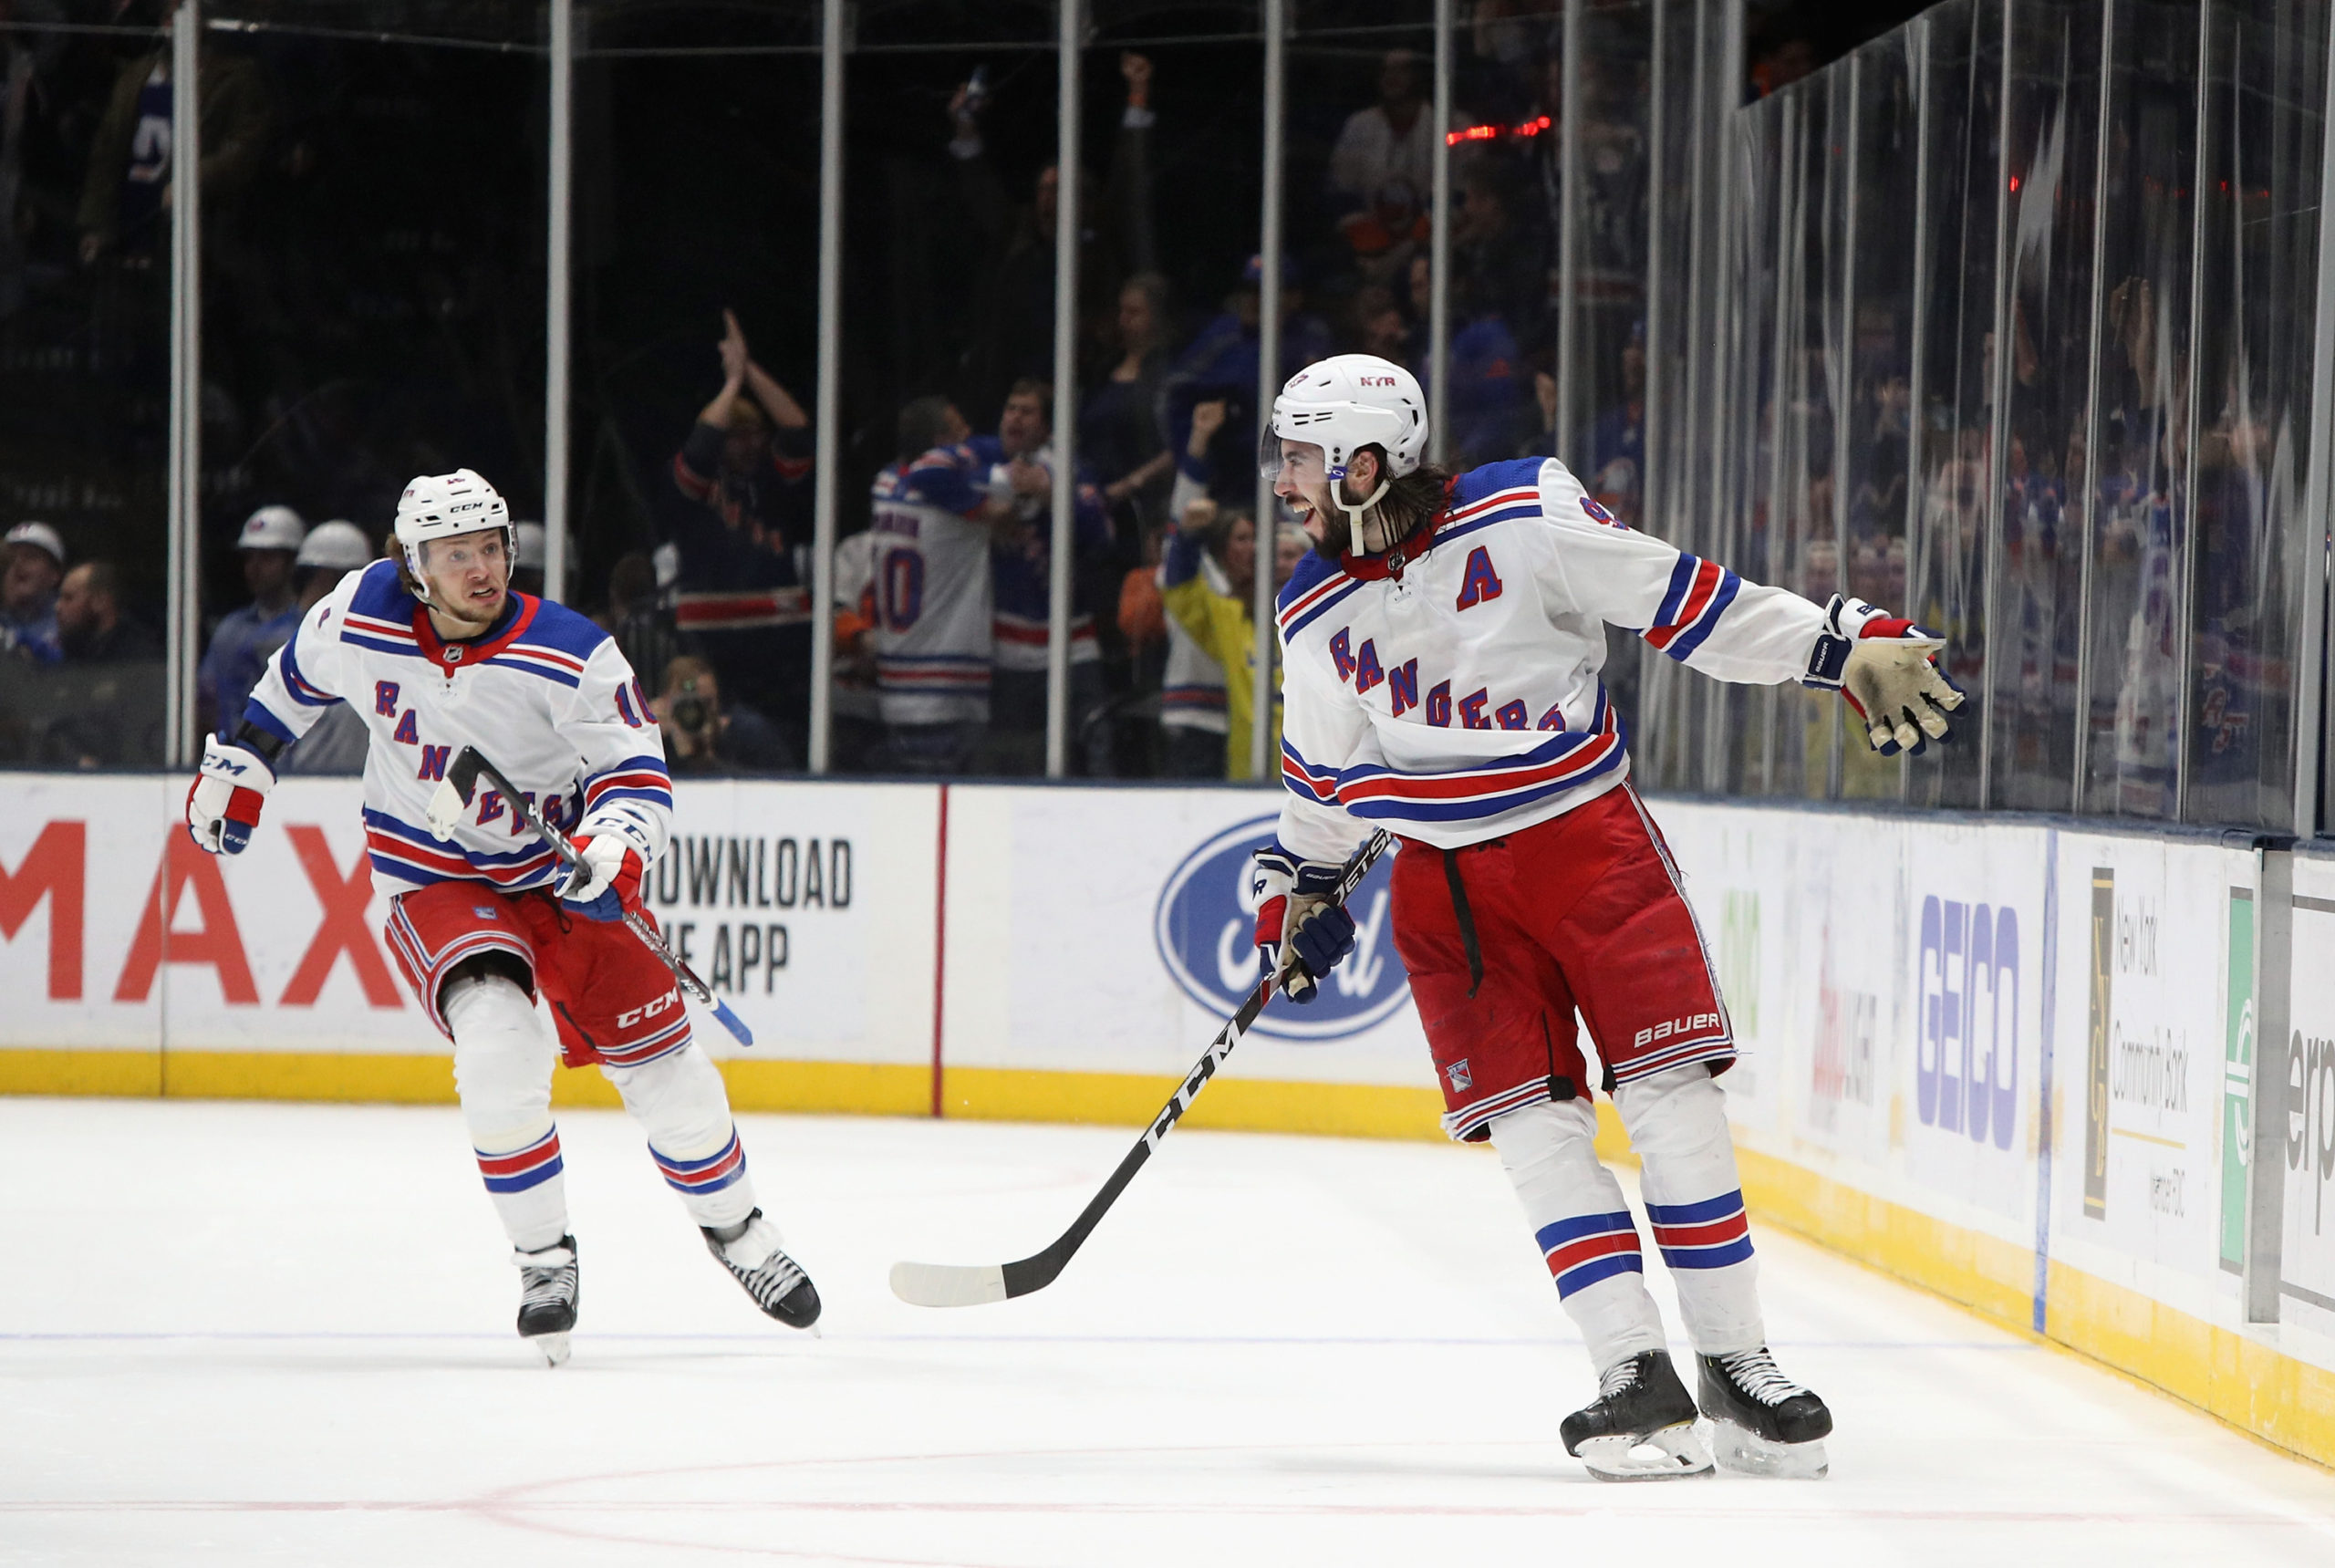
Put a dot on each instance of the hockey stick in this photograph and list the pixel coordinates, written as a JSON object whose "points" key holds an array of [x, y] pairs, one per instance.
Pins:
{"points": [[461, 779], [971, 1284]]}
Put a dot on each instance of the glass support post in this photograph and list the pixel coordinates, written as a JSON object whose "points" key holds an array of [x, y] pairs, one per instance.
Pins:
{"points": [[1269, 377], [185, 415], [560, 246], [1439, 307], [827, 418], [1070, 17], [1997, 510], [2314, 748]]}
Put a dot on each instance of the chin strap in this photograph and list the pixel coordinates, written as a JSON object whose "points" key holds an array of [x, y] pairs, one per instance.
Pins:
{"points": [[1354, 509]]}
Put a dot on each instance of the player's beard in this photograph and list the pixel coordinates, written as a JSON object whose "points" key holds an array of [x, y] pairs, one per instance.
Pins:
{"points": [[470, 622]]}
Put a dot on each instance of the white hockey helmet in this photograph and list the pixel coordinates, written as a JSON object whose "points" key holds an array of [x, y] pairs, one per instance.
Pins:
{"points": [[271, 528], [1343, 404], [340, 544], [441, 506]]}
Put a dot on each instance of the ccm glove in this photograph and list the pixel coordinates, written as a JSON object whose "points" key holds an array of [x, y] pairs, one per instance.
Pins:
{"points": [[606, 884], [1886, 667], [1301, 932], [223, 804]]}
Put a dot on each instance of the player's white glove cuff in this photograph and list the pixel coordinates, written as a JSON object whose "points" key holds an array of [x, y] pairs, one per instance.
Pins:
{"points": [[224, 804]]}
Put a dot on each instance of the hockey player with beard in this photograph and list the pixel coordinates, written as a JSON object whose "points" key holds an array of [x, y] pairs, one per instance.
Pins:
{"points": [[1442, 647], [434, 651]]}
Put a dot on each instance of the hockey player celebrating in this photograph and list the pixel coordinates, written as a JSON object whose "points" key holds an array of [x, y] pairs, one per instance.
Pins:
{"points": [[435, 651], [1442, 648]]}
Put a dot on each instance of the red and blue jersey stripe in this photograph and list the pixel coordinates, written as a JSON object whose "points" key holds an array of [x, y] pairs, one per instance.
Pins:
{"points": [[521, 1168], [643, 778], [1567, 760], [1707, 1235], [703, 1176], [1697, 596], [1588, 1248]]}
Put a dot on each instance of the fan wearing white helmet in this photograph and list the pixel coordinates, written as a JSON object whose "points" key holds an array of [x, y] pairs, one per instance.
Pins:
{"points": [[267, 545], [1442, 648], [434, 651]]}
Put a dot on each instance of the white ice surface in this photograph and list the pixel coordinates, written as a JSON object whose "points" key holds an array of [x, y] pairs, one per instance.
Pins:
{"points": [[275, 1334]]}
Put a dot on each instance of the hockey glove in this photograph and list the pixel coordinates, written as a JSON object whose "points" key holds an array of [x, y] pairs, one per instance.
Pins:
{"points": [[1887, 668], [607, 885], [1302, 933], [223, 802]]}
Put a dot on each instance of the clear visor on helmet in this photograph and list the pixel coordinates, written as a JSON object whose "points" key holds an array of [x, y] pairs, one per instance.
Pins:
{"points": [[463, 552], [1300, 462]]}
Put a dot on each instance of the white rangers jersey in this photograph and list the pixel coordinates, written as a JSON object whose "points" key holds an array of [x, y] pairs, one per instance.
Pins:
{"points": [[545, 696], [1450, 691], [934, 601]]}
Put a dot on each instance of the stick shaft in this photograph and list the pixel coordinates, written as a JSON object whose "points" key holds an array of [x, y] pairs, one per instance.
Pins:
{"points": [[636, 924], [1037, 1271]]}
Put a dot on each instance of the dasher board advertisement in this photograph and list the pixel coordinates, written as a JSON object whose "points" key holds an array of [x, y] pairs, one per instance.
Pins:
{"points": [[2144, 945], [117, 931], [1114, 930], [2305, 1061]]}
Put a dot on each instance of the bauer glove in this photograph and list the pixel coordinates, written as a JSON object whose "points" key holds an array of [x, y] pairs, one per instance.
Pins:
{"points": [[1302, 931], [222, 804], [606, 884], [1886, 667]]}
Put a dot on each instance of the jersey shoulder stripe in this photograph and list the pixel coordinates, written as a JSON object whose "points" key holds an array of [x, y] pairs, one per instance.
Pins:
{"points": [[555, 628], [379, 596], [1478, 484]]}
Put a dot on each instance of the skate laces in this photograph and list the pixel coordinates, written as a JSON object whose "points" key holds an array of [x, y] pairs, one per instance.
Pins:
{"points": [[546, 1286], [1756, 1373], [1622, 1374]]}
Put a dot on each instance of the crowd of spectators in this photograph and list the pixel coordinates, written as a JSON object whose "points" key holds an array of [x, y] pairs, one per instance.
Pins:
{"points": [[955, 527]]}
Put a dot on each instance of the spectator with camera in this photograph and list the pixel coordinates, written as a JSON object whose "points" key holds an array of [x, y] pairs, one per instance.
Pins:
{"points": [[743, 534], [702, 736]]}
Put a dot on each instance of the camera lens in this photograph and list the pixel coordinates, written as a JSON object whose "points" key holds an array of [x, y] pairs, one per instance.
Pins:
{"points": [[689, 713]]}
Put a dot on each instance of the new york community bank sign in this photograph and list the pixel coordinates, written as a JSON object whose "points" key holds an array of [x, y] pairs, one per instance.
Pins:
{"points": [[1206, 926]]}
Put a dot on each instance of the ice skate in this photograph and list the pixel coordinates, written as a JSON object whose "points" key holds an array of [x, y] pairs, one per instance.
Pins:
{"points": [[548, 1288], [1640, 1426], [775, 1281], [1763, 1423]]}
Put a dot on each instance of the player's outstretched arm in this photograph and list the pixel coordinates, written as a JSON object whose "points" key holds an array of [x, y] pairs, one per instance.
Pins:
{"points": [[1707, 617], [302, 679]]}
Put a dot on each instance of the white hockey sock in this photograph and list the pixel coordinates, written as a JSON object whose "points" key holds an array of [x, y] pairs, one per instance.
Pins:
{"points": [[679, 1100], [1677, 1122], [1582, 1226], [503, 1065]]}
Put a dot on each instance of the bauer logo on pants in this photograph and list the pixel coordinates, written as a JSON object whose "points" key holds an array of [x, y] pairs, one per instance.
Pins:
{"points": [[1206, 929]]}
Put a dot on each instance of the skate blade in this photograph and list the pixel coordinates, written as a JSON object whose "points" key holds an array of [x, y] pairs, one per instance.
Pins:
{"points": [[1671, 1453], [1747, 1453], [553, 1347]]}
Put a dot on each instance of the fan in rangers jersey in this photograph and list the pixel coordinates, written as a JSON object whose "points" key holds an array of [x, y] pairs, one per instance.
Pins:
{"points": [[434, 652], [1442, 648]]}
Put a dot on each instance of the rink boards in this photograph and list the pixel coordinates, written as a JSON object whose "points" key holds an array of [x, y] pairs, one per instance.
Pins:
{"points": [[2009, 1060]]}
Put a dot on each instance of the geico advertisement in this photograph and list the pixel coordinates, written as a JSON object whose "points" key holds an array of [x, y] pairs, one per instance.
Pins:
{"points": [[1114, 930], [116, 930], [2145, 932], [2306, 1062]]}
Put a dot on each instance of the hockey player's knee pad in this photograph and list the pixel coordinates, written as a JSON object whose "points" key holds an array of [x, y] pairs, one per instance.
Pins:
{"points": [[1680, 1110], [1546, 1134], [503, 1061], [679, 1100]]}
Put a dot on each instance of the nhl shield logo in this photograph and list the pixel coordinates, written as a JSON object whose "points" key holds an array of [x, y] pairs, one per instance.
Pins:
{"points": [[1461, 1079], [454, 654]]}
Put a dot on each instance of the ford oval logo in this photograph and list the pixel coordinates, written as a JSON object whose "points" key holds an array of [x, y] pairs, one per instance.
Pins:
{"points": [[1206, 929]]}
